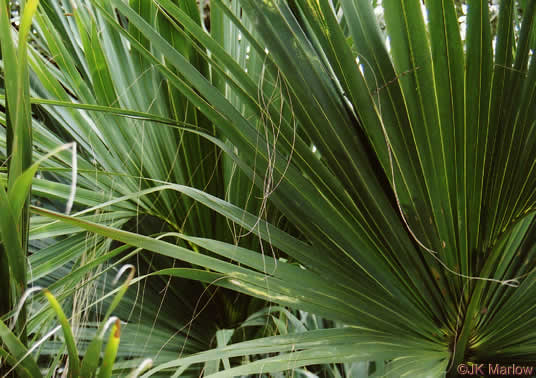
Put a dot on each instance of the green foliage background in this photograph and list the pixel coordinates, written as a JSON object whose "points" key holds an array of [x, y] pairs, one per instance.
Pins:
{"points": [[304, 187]]}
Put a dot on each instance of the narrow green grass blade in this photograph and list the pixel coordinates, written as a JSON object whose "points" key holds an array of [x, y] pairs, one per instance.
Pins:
{"points": [[19, 148], [11, 239], [12, 361], [74, 362], [18, 350], [110, 352], [92, 356]]}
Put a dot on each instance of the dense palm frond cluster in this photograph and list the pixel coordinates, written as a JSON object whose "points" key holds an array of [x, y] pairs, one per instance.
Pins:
{"points": [[324, 187]]}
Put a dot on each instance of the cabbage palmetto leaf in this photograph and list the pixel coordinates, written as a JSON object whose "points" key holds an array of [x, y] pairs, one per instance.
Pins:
{"points": [[400, 160], [77, 95]]}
